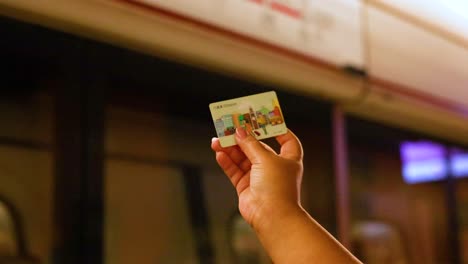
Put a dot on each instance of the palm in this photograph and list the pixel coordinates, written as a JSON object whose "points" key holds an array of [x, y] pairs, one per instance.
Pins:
{"points": [[249, 176]]}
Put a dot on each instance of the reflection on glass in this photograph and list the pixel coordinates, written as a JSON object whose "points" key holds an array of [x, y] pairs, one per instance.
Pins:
{"points": [[147, 219], [246, 247], [462, 204], [379, 243], [7, 233]]}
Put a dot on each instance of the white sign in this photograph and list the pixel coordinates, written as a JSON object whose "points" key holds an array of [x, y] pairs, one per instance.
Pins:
{"points": [[329, 30]]}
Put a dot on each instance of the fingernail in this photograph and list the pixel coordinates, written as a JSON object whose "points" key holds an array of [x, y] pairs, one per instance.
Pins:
{"points": [[240, 131], [214, 139]]}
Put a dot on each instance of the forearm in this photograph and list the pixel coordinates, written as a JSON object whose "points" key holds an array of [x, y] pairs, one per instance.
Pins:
{"points": [[291, 236]]}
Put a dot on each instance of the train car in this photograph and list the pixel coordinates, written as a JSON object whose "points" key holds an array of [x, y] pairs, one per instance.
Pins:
{"points": [[105, 126]]}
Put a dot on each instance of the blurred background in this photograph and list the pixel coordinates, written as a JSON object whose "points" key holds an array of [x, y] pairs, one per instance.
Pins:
{"points": [[105, 129]]}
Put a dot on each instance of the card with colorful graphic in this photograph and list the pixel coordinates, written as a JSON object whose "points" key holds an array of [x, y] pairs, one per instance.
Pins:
{"points": [[260, 115]]}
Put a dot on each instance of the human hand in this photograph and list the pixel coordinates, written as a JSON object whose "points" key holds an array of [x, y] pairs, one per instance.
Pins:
{"points": [[266, 182]]}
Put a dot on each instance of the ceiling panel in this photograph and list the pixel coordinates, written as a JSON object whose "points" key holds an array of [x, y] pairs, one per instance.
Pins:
{"points": [[448, 15], [408, 55]]}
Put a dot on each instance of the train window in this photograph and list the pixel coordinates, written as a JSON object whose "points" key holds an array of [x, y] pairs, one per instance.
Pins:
{"points": [[151, 136], [244, 244], [383, 161], [147, 219], [378, 242], [26, 159], [462, 208]]}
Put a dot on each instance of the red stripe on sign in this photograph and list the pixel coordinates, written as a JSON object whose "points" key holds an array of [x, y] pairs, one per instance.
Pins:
{"points": [[295, 13], [282, 8]]}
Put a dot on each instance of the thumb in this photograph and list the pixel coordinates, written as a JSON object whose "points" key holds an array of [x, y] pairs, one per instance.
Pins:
{"points": [[251, 147]]}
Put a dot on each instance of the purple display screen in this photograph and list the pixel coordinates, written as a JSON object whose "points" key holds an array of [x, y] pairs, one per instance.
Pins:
{"points": [[459, 164], [426, 161]]}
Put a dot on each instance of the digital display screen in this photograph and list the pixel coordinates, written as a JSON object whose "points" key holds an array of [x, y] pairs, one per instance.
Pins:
{"points": [[459, 164], [426, 161]]}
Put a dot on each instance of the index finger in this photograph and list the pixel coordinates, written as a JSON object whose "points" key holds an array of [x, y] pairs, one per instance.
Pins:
{"points": [[291, 147]]}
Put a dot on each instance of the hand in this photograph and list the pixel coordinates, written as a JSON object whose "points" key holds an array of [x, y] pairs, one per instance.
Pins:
{"points": [[265, 181]]}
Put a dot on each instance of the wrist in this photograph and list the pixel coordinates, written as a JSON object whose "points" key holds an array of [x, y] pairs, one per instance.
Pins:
{"points": [[267, 217]]}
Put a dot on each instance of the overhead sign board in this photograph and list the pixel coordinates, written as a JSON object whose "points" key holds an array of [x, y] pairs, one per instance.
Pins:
{"points": [[328, 30]]}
